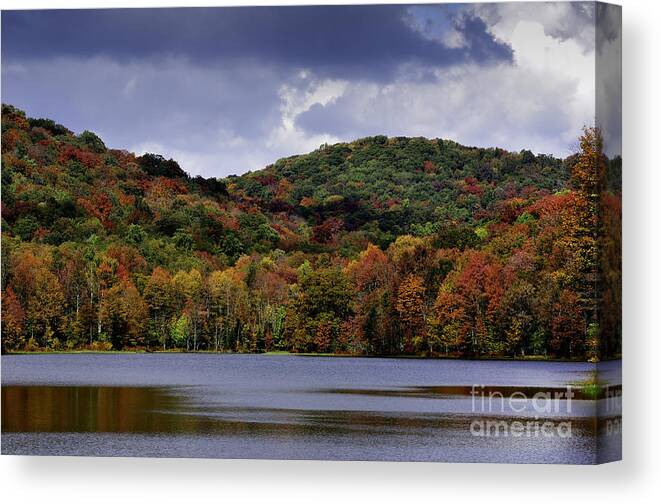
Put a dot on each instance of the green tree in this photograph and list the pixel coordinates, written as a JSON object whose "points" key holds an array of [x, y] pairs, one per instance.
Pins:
{"points": [[180, 331], [322, 302]]}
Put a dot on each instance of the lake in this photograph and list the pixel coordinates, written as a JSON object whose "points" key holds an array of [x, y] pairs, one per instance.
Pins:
{"points": [[298, 407]]}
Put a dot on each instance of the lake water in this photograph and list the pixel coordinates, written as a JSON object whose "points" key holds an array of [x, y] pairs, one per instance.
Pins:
{"points": [[295, 407]]}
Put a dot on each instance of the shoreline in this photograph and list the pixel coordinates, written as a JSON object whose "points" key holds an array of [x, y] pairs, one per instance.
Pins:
{"points": [[532, 358]]}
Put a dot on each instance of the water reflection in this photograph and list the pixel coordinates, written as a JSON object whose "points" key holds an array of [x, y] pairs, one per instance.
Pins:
{"points": [[527, 392], [87, 409], [256, 411]]}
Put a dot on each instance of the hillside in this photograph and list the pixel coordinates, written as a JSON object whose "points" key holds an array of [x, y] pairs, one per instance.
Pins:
{"points": [[379, 246], [386, 187]]}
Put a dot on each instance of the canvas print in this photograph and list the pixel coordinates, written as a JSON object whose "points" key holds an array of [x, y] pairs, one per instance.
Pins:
{"points": [[358, 232]]}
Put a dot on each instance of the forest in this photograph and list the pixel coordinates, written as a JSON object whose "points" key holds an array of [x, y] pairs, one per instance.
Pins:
{"points": [[381, 246]]}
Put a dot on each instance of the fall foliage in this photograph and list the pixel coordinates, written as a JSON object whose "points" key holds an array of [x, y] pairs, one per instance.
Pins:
{"points": [[382, 246]]}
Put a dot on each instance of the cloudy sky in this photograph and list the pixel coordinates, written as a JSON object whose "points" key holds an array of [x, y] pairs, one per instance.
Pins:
{"points": [[227, 90]]}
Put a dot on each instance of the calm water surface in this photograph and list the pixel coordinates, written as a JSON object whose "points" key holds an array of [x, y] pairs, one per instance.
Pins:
{"points": [[292, 407]]}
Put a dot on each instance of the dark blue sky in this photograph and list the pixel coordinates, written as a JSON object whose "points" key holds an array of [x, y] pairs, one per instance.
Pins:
{"points": [[226, 90]]}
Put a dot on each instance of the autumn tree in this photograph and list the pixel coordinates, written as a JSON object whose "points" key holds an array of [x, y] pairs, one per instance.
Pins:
{"points": [[13, 322], [566, 325], [372, 277], [187, 288], [583, 225], [229, 301], [160, 300], [123, 314], [267, 298], [70, 266], [412, 311], [45, 307], [448, 325]]}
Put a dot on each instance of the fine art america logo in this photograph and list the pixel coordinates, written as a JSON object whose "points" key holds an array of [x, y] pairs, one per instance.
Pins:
{"points": [[544, 404]]}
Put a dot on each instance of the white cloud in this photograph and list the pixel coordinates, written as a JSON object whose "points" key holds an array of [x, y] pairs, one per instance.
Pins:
{"points": [[540, 102], [561, 20]]}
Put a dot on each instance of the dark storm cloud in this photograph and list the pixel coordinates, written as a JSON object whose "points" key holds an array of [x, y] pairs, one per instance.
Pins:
{"points": [[340, 41], [608, 75]]}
